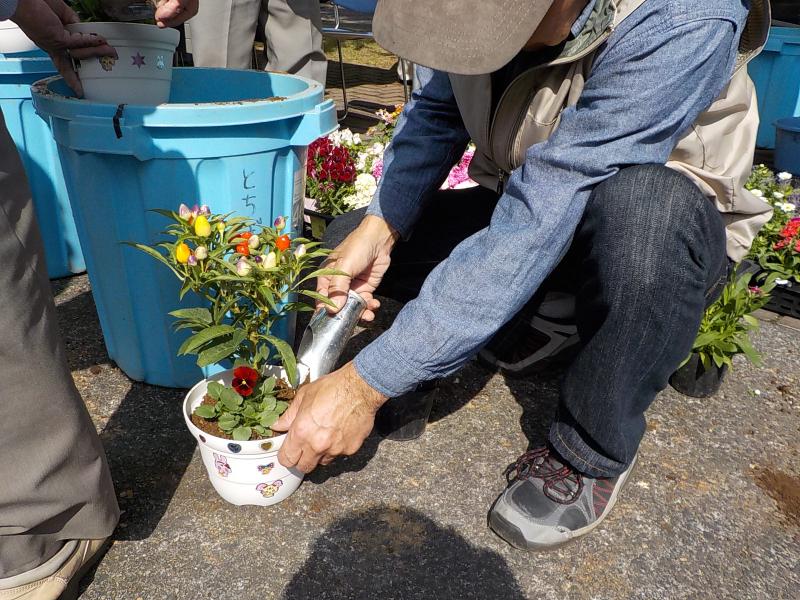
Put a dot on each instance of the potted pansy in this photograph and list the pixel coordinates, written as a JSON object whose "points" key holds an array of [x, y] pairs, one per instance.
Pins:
{"points": [[142, 72], [777, 246], [724, 332], [248, 277]]}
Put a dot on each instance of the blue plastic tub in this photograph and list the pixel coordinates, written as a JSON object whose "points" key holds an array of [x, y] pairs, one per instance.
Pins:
{"points": [[787, 145], [235, 140], [776, 74], [40, 158]]}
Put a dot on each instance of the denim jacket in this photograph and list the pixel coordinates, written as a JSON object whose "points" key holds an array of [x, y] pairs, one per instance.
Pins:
{"points": [[649, 84]]}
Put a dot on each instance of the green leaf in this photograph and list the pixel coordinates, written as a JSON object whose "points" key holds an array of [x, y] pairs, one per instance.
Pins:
{"points": [[751, 320], [281, 406], [231, 399], [319, 297], [260, 430], [287, 358], [155, 254], [268, 404], [215, 389], [200, 315], [267, 419], [221, 351], [242, 434], [227, 422], [268, 385], [203, 337], [205, 411], [322, 273], [249, 412]]}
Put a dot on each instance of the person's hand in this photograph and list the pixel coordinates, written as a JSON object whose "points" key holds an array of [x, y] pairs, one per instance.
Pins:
{"points": [[171, 13], [364, 256], [329, 417], [45, 21]]}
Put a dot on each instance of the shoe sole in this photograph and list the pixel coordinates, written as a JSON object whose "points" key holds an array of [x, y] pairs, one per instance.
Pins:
{"points": [[514, 536], [74, 585]]}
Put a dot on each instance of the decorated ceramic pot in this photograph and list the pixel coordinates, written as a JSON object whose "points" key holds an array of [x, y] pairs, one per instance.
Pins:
{"points": [[143, 72], [242, 472]]}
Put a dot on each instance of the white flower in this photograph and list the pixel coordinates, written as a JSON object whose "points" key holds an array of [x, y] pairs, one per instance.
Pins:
{"points": [[781, 282], [361, 161], [777, 195], [356, 141], [300, 250], [201, 253], [786, 207], [784, 176], [377, 149], [757, 193], [253, 242]]}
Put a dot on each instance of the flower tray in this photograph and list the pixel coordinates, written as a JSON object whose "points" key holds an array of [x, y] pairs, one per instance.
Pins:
{"points": [[785, 300]]}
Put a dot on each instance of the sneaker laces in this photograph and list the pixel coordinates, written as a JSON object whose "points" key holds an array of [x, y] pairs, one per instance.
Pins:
{"points": [[562, 484]]}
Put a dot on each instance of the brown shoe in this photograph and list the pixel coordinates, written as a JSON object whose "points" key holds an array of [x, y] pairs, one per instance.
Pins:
{"points": [[64, 583]]}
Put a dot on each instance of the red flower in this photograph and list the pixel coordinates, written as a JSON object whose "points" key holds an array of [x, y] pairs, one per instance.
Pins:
{"points": [[243, 249], [244, 380], [283, 243]]}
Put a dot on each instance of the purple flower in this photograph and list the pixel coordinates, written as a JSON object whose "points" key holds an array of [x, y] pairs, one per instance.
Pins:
{"points": [[192, 261], [377, 169], [279, 224], [205, 210]]}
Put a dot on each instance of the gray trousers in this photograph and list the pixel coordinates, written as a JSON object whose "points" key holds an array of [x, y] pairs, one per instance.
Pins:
{"points": [[56, 484], [223, 32]]}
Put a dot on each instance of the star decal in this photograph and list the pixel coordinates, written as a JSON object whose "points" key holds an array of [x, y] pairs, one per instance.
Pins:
{"points": [[138, 60]]}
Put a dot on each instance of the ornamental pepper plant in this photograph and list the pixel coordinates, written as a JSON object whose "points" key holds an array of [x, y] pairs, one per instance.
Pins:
{"points": [[247, 276]]}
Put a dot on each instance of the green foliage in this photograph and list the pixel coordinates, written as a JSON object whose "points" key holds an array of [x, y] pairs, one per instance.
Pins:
{"points": [[246, 275], [106, 11], [241, 416], [726, 325]]}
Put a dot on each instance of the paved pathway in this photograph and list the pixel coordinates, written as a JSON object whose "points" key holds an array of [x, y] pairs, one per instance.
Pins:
{"points": [[712, 511]]}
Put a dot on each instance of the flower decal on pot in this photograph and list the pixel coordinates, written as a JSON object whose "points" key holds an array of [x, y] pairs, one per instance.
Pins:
{"points": [[266, 469], [268, 490], [160, 63]]}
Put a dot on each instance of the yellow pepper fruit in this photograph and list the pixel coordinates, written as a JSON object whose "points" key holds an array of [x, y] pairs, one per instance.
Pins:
{"points": [[202, 227], [182, 253]]}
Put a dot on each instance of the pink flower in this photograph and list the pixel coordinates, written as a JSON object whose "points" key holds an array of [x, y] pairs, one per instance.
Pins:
{"points": [[377, 169]]}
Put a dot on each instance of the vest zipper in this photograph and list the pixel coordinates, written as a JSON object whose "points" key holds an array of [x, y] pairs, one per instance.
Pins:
{"points": [[501, 182]]}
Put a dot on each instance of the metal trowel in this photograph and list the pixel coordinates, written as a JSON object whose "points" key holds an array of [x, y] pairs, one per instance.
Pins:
{"points": [[327, 334]]}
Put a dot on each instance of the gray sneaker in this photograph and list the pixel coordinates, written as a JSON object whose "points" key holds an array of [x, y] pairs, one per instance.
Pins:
{"points": [[548, 503]]}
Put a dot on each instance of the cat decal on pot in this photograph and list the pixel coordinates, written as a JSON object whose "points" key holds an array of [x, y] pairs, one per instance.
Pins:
{"points": [[221, 463]]}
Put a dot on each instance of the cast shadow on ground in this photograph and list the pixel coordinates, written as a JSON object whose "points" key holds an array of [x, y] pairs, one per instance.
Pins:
{"points": [[80, 330], [392, 552]]}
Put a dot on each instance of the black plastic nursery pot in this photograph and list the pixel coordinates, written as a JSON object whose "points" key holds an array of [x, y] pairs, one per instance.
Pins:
{"points": [[694, 380], [318, 223], [405, 417]]}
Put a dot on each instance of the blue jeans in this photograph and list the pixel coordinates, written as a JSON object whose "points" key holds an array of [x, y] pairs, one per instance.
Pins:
{"points": [[646, 259]]}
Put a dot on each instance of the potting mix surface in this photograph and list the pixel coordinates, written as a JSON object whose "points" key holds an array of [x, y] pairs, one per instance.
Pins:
{"points": [[711, 511]]}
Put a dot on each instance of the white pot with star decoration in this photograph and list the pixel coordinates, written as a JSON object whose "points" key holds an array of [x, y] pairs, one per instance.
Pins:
{"points": [[143, 72]]}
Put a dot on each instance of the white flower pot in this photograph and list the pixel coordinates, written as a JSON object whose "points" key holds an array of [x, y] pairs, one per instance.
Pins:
{"points": [[242, 472], [143, 72], [13, 40]]}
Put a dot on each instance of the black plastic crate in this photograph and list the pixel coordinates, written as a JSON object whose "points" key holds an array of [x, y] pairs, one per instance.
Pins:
{"points": [[785, 300]]}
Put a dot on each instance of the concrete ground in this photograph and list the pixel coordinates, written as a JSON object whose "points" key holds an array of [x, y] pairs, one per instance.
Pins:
{"points": [[713, 510]]}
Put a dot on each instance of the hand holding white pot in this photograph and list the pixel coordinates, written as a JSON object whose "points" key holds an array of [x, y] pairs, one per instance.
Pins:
{"points": [[44, 21], [171, 13], [329, 417]]}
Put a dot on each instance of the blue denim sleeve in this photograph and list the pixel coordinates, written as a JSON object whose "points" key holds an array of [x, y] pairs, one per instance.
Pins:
{"points": [[644, 91], [429, 139], [7, 9]]}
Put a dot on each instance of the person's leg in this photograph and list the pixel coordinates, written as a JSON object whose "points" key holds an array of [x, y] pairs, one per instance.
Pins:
{"points": [[57, 485], [222, 33], [293, 30], [653, 250], [652, 257]]}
